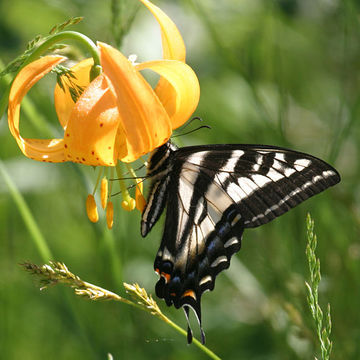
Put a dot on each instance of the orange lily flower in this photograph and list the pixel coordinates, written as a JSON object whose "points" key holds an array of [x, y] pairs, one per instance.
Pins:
{"points": [[118, 116]]}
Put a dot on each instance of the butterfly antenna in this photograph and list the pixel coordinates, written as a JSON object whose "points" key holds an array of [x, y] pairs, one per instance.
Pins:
{"points": [[143, 178], [130, 186], [145, 164], [191, 131], [191, 120], [134, 185]]}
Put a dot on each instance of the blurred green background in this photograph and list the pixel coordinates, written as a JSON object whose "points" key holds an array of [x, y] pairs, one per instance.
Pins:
{"points": [[282, 72]]}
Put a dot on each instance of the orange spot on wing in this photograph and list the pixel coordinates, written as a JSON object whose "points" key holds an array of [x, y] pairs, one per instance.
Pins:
{"points": [[166, 276], [190, 293]]}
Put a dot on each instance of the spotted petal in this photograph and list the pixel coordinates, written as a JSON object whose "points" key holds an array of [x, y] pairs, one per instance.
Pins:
{"points": [[93, 134], [145, 121]]}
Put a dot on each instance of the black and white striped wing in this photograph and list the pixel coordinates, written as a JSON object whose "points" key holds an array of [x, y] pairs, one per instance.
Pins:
{"points": [[212, 194]]}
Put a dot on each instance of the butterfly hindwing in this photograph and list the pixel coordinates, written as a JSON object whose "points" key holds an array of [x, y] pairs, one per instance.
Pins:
{"points": [[211, 194]]}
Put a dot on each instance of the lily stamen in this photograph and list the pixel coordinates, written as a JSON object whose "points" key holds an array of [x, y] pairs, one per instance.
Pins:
{"points": [[110, 215], [104, 193], [128, 202], [139, 198], [91, 209]]}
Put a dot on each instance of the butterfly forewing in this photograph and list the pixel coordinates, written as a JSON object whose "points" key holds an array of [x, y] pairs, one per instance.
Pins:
{"points": [[211, 194], [265, 181]]}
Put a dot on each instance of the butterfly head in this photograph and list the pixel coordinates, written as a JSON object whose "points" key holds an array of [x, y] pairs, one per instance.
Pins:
{"points": [[159, 159]]}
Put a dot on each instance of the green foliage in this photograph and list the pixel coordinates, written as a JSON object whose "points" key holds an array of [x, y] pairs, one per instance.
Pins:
{"points": [[323, 330], [58, 273], [64, 76], [19, 61], [271, 72], [123, 14], [60, 27]]}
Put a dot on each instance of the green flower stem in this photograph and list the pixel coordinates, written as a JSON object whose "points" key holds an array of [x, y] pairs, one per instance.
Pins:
{"points": [[131, 171], [56, 272], [69, 35], [110, 182], [27, 216], [133, 174]]}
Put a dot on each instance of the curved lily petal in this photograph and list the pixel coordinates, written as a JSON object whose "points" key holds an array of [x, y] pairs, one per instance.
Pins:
{"points": [[145, 121], [181, 102], [173, 49], [93, 134], [50, 150], [172, 42], [62, 98]]}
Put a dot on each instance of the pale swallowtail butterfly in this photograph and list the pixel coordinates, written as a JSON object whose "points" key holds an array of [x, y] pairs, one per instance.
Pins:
{"points": [[211, 194]]}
